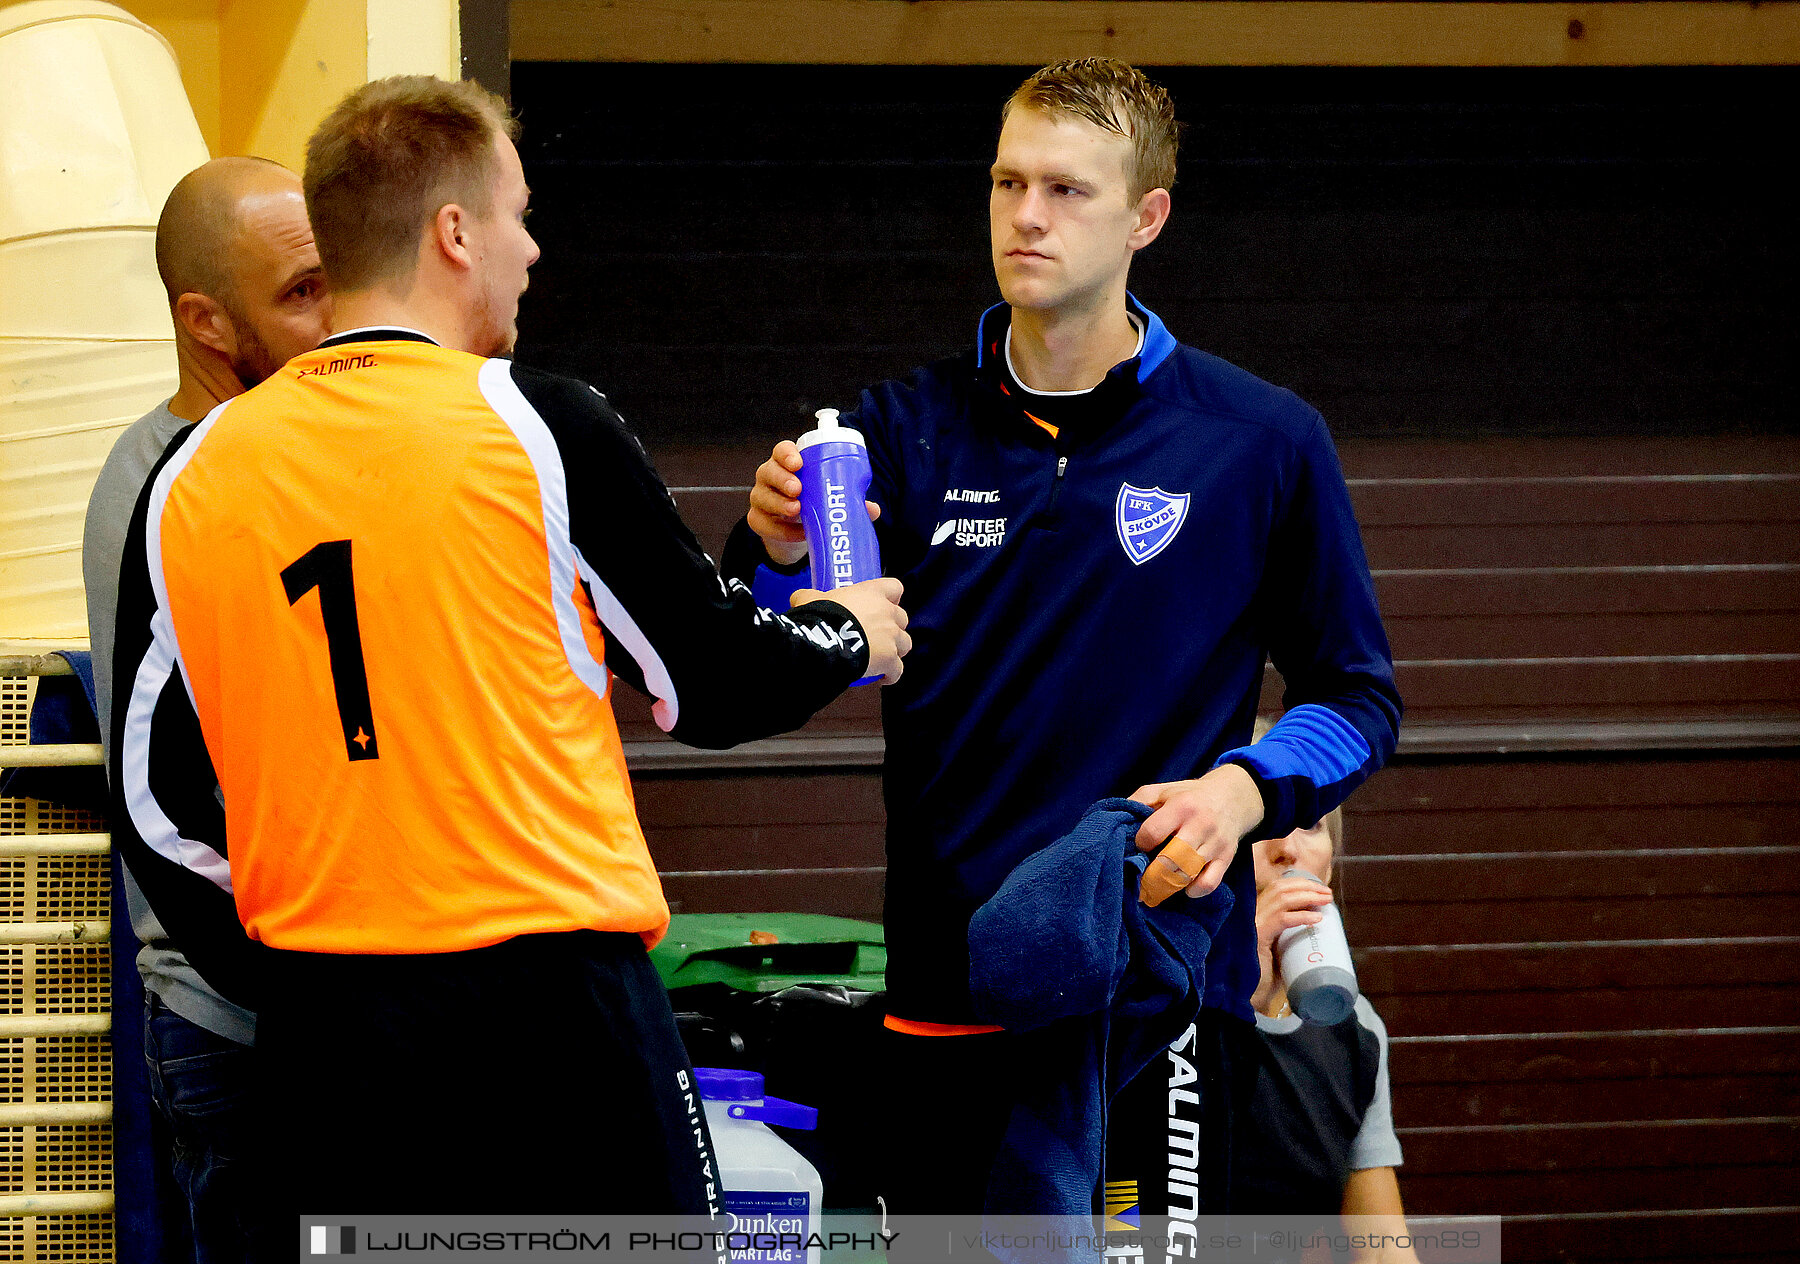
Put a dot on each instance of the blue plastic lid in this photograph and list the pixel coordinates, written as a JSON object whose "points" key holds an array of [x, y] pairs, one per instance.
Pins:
{"points": [[722, 1084]]}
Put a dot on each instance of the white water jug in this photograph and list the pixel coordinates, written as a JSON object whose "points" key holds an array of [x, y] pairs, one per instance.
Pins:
{"points": [[771, 1191]]}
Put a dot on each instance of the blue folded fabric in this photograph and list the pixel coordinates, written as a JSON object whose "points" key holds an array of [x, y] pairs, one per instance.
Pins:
{"points": [[1098, 983], [63, 712]]}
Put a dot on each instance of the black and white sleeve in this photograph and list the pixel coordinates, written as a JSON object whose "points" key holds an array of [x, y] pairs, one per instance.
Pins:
{"points": [[168, 821], [722, 670]]}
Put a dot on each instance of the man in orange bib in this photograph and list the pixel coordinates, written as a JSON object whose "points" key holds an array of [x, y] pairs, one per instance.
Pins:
{"points": [[371, 613]]}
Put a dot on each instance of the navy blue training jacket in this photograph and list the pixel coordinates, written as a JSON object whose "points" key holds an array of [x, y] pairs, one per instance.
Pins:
{"points": [[1091, 613]]}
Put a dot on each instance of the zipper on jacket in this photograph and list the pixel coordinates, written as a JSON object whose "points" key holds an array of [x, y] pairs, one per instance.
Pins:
{"points": [[1062, 467]]}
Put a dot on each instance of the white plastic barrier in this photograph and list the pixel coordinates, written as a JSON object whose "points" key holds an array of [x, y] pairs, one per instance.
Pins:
{"points": [[95, 129]]}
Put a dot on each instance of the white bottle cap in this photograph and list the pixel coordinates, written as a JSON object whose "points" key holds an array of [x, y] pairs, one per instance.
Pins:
{"points": [[828, 431]]}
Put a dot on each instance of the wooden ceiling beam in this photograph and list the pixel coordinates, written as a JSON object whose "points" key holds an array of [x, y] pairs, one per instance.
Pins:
{"points": [[1158, 32]]}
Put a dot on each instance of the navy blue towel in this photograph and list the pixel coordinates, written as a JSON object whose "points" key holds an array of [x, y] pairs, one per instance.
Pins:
{"points": [[1102, 984]]}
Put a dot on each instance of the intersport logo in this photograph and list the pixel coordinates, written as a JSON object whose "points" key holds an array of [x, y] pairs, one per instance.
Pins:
{"points": [[970, 533]]}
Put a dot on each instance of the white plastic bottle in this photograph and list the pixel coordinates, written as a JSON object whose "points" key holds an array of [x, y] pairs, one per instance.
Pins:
{"points": [[771, 1191], [1315, 964]]}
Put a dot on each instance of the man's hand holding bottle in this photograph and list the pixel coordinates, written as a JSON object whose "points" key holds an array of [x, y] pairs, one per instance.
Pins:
{"points": [[876, 605], [796, 513]]}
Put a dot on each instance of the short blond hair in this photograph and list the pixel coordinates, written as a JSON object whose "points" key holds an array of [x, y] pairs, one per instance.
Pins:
{"points": [[1118, 98], [386, 160]]}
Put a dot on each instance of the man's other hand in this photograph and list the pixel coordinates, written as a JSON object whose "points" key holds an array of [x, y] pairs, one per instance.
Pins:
{"points": [[775, 505], [1197, 824], [876, 605]]}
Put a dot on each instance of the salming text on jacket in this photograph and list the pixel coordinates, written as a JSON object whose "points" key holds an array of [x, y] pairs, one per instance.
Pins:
{"points": [[384, 596], [1091, 612]]}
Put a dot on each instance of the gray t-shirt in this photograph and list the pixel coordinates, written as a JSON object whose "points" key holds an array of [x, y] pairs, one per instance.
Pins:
{"points": [[165, 971], [1376, 1144]]}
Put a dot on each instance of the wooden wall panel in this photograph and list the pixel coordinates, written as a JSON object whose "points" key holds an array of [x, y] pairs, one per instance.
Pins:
{"points": [[842, 892], [707, 848], [1575, 966], [1458, 1149], [777, 799], [1637, 633], [1439, 796], [767, 841], [1521, 592], [1538, 596], [1593, 918], [1654, 1236], [1572, 543], [1460, 1012], [1476, 828], [1602, 1020], [1487, 501], [855, 712], [1529, 872], [1579, 1193]]}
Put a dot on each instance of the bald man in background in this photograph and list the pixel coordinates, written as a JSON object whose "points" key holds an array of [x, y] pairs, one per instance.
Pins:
{"points": [[236, 256]]}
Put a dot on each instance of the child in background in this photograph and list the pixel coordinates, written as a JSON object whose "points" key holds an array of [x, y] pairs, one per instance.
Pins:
{"points": [[1319, 1095]]}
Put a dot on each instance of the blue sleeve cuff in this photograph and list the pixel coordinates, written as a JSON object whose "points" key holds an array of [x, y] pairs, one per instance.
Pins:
{"points": [[1304, 766], [773, 587]]}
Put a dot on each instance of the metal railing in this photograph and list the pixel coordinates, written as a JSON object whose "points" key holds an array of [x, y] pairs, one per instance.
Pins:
{"points": [[88, 931]]}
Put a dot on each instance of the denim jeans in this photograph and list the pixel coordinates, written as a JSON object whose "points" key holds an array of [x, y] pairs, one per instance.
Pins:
{"points": [[200, 1085]]}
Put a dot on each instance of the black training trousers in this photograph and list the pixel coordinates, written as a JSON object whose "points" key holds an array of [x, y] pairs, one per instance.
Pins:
{"points": [[539, 1075]]}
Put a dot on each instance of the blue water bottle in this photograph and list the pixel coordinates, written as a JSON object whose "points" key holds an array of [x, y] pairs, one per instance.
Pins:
{"points": [[834, 482]]}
